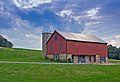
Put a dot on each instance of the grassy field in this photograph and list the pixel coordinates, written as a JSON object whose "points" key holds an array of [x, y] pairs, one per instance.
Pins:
{"points": [[51, 72], [16, 54], [59, 73]]}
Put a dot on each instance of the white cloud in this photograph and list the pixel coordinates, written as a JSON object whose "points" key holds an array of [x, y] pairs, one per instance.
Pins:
{"points": [[91, 23], [118, 36], [65, 12], [22, 33], [23, 38], [114, 40], [115, 43], [29, 3], [92, 12], [90, 31]]}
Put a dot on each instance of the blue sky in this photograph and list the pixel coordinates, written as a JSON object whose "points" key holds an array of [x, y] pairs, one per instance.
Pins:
{"points": [[23, 21]]}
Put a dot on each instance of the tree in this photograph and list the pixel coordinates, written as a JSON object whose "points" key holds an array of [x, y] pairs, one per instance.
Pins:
{"points": [[113, 52], [5, 43]]}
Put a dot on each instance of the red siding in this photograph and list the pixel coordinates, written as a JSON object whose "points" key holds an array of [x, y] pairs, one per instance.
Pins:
{"points": [[84, 48], [75, 47], [56, 45]]}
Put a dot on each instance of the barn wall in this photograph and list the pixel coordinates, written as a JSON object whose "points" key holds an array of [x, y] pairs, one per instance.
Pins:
{"points": [[84, 48], [56, 45]]}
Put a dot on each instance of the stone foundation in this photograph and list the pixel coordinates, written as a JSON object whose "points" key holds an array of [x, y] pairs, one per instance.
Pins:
{"points": [[75, 59], [69, 56], [92, 59], [87, 59], [97, 59], [62, 56], [50, 56], [106, 59]]}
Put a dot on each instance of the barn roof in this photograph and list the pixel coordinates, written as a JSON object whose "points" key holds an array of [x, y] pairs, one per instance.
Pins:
{"points": [[80, 37]]}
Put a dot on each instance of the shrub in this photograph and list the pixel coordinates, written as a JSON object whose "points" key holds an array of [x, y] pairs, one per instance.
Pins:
{"points": [[46, 58], [58, 60], [51, 59]]}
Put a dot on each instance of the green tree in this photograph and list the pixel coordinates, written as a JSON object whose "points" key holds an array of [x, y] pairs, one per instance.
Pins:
{"points": [[5, 43], [113, 52]]}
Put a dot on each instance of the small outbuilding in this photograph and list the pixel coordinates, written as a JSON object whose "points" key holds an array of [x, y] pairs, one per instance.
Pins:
{"points": [[80, 48]]}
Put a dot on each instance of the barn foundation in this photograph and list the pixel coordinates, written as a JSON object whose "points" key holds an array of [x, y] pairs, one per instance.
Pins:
{"points": [[79, 58]]}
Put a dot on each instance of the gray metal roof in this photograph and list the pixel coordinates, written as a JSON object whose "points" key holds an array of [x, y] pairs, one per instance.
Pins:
{"points": [[80, 37]]}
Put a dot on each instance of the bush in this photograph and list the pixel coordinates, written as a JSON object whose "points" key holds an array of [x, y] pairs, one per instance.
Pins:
{"points": [[46, 58], [58, 60], [51, 59]]}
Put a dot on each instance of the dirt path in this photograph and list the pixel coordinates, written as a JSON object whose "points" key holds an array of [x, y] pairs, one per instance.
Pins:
{"points": [[111, 64], [17, 62]]}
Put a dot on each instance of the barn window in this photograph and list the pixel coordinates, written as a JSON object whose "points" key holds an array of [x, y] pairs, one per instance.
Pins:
{"points": [[55, 37], [60, 46], [50, 47]]}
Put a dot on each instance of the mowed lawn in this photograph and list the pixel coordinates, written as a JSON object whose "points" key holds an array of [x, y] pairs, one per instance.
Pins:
{"points": [[17, 54], [59, 73], [11, 72]]}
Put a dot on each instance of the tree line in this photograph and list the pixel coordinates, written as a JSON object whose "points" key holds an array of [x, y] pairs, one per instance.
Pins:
{"points": [[5, 43], [113, 52]]}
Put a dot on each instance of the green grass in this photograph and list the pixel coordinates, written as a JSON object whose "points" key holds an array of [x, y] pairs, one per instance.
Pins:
{"points": [[59, 73], [51, 73], [17, 54], [113, 61]]}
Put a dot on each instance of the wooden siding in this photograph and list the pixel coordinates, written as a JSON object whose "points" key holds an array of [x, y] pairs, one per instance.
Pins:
{"points": [[85, 48], [56, 45]]}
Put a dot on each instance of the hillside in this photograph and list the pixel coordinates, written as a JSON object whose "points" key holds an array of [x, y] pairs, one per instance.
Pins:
{"points": [[23, 72], [17, 54]]}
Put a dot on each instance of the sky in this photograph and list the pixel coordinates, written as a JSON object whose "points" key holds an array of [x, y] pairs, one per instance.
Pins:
{"points": [[23, 21]]}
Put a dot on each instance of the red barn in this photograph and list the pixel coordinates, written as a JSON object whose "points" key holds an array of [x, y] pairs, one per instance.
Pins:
{"points": [[80, 48]]}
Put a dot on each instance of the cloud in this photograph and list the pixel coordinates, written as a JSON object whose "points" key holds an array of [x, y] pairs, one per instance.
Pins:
{"points": [[114, 40], [18, 29], [115, 43], [29, 3], [118, 36], [63, 13], [90, 31], [92, 12], [22, 20], [23, 38], [87, 24]]}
